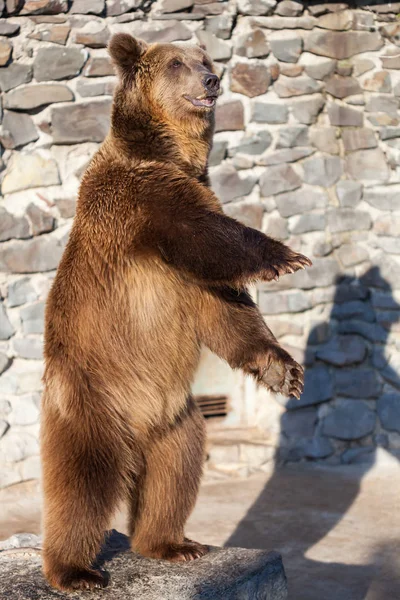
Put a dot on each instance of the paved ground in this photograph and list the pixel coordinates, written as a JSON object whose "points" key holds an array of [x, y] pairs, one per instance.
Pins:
{"points": [[338, 529]]}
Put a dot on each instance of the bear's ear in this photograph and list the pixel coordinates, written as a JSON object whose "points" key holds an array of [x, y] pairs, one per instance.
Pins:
{"points": [[203, 47], [125, 52]]}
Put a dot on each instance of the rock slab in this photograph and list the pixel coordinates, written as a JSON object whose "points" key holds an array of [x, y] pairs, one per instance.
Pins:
{"points": [[225, 573]]}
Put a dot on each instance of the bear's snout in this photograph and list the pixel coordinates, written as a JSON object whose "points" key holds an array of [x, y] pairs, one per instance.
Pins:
{"points": [[211, 83]]}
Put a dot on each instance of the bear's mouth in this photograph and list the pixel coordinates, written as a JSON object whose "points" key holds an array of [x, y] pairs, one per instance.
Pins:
{"points": [[205, 101]]}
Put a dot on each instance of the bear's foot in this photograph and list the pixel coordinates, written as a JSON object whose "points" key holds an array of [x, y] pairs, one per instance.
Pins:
{"points": [[73, 579], [279, 372], [184, 552], [283, 260]]}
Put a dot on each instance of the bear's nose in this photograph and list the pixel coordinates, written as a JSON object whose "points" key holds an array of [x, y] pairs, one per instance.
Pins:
{"points": [[211, 83]]}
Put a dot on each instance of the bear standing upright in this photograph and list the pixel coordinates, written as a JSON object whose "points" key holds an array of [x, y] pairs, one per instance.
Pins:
{"points": [[152, 269]]}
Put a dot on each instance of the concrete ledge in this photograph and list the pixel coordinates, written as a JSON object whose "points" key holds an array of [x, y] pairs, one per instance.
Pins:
{"points": [[223, 574]]}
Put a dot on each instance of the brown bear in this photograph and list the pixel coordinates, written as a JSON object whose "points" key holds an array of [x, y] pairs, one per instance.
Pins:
{"points": [[152, 270]]}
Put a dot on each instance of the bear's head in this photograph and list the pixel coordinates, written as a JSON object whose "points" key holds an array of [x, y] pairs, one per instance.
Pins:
{"points": [[174, 81]]}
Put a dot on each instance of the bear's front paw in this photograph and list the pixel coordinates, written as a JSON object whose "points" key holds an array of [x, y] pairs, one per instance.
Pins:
{"points": [[279, 372], [283, 260]]}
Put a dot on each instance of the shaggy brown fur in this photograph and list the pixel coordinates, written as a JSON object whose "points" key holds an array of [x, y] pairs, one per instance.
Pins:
{"points": [[152, 269]]}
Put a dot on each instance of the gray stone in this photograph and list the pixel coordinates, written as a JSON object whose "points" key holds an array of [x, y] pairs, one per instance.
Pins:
{"points": [[288, 8], [317, 67], [305, 223], [341, 87], [229, 116], [13, 75], [317, 447], [277, 179], [299, 423], [58, 63], [292, 136], [367, 165], [17, 130], [285, 156], [172, 6], [93, 34], [351, 421], [248, 213], [278, 22], [342, 44], [359, 382], [385, 104], [287, 48], [322, 170], [318, 388], [41, 221], [83, 122], [95, 88], [325, 139], [352, 254], [362, 65], [32, 317], [218, 153], [227, 184], [286, 87], [20, 292], [277, 228], [355, 309], [324, 272], [119, 7], [218, 49], [84, 7], [379, 81], [12, 226], [253, 44], [383, 300], [98, 66], [349, 193], [67, 206], [32, 256], [383, 198], [6, 329], [358, 139], [337, 21], [343, 350], [28, 97], [30, 348], [268, 112], [256, 7], [250, 79], [388, 407], [300, 201], [344, 116], [307, 111], [221, 26], [253, 143], [26, 171], [57, 34], [284, 302], [229, 573], [358, 456], [7, 28]]}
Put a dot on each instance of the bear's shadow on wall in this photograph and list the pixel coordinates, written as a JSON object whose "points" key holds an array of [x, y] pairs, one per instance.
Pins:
{"points": [[298, 508]]}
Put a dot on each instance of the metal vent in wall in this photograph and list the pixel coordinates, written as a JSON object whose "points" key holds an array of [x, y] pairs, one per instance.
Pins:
{"points": [[213, 406]]}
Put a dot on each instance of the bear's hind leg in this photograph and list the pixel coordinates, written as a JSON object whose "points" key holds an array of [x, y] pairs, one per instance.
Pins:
{"points": [[83, 480], [166, 495]]}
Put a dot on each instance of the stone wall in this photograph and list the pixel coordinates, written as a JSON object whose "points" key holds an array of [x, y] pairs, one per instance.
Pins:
{"points": [[307, 149]]}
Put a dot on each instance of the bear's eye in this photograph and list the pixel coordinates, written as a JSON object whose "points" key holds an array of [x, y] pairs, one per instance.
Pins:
{"points": [[206, 64], [176, 63]]}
